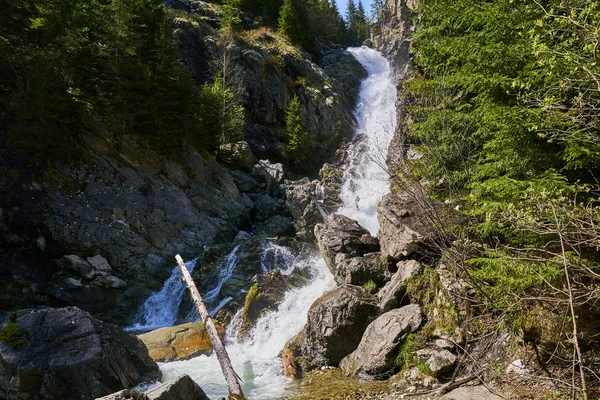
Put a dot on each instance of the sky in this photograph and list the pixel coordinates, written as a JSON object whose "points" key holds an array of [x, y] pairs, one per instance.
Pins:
{"points": [[343, 5]]}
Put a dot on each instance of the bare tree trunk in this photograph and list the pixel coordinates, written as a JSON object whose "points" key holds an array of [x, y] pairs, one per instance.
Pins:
{"points": [[571, 308], [233, 384]]}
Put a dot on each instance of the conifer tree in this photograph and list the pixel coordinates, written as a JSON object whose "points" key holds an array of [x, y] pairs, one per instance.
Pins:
{"points": [[288, 19], [295, 132]]}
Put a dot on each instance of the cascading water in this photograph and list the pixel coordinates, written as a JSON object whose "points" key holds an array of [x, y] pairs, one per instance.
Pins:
{"points": [[365, 182], [366, 179], [274, 256], [255, 360], [162, 307]]}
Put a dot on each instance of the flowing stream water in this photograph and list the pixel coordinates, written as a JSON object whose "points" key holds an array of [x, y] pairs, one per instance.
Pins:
{"points": [[365, 182]]}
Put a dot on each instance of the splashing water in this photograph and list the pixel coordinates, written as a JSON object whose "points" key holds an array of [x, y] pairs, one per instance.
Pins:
{"points": [[274, 256], [162, 307], [255, 360], [366, 177]]}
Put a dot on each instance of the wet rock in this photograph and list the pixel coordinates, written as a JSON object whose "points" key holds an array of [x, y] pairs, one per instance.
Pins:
{"points": [[404, 226], [377, 350], [266, 207], [391, 295], [179, 342], [340, 65], [340, 234], [331, 184], [291, 356], [303, 200], [66, 354], [360, 270], [440, 362], [336, 322], [180, 388], [267, 293], [110, 281], [100, 264], [277, 225]]}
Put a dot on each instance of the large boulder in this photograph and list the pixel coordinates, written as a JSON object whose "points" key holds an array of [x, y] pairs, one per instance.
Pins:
{"points": [[340, 234], [439, 361], [336, 322], [360, 270], [180, 388], [269, 173], [377, 350], [405, 224], [301, 200], [179, 342], [392, 294], [267, 293], [66, 354]]}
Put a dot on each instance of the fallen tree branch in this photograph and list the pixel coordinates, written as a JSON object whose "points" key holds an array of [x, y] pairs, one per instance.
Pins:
{"points": [[233, 384]]}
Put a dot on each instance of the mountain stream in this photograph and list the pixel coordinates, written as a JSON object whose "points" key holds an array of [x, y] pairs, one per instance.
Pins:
{"points": [[365, 182]]}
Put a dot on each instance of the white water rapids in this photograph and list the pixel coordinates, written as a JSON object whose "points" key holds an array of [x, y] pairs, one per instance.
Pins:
{"points": [[365, 182]]}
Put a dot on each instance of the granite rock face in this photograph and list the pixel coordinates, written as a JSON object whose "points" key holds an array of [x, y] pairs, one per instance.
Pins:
{"points": [[392, 294], [336, 322], [64, 353], [406, 225], [342, 235], [377, 350]]}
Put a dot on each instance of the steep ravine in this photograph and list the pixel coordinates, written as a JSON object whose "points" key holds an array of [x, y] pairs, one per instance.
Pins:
{"points": [[255, 355]]}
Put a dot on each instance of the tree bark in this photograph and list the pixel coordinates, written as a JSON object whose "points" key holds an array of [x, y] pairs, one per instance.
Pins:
{"points": [[233, 384]]}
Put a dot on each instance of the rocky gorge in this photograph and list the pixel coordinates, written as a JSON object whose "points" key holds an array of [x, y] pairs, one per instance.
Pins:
{"points": [[325, 277]]}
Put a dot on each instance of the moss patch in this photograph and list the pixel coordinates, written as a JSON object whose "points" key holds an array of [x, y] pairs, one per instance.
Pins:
{"points": [[332, 384], [12, 335], [252, 296]]}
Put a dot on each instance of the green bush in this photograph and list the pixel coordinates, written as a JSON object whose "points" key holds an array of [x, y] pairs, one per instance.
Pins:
{"points": [[12, 335]]}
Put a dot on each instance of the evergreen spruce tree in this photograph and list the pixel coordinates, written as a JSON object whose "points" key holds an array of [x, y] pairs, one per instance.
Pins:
{"points": [[362, 25], [288, 20], [296, 136]]}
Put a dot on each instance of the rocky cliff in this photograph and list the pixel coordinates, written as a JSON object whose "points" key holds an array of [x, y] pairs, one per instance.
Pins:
{"points": [[101, 232], [391, 35]]}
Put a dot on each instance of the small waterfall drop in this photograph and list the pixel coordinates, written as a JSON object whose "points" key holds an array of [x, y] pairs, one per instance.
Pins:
{"points": [[255, 359], [365, 182], [162, 307], [274, 256], [366, 179]]}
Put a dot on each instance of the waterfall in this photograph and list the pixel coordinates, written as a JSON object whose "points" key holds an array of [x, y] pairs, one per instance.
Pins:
{"points": [[162, 307], [255, 360], [365, 182], [274, 256], [366, 179]]}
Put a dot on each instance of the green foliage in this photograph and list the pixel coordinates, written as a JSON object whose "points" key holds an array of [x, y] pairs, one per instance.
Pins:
{"points": [[370, 287], [504, 104], [357, 25], [230, 16], [12, 335], [296, 136], [252, 296], [222, 120], [114, 59]]}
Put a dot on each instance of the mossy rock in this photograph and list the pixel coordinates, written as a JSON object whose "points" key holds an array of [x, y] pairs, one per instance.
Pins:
{"points": [[12, 335]]}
